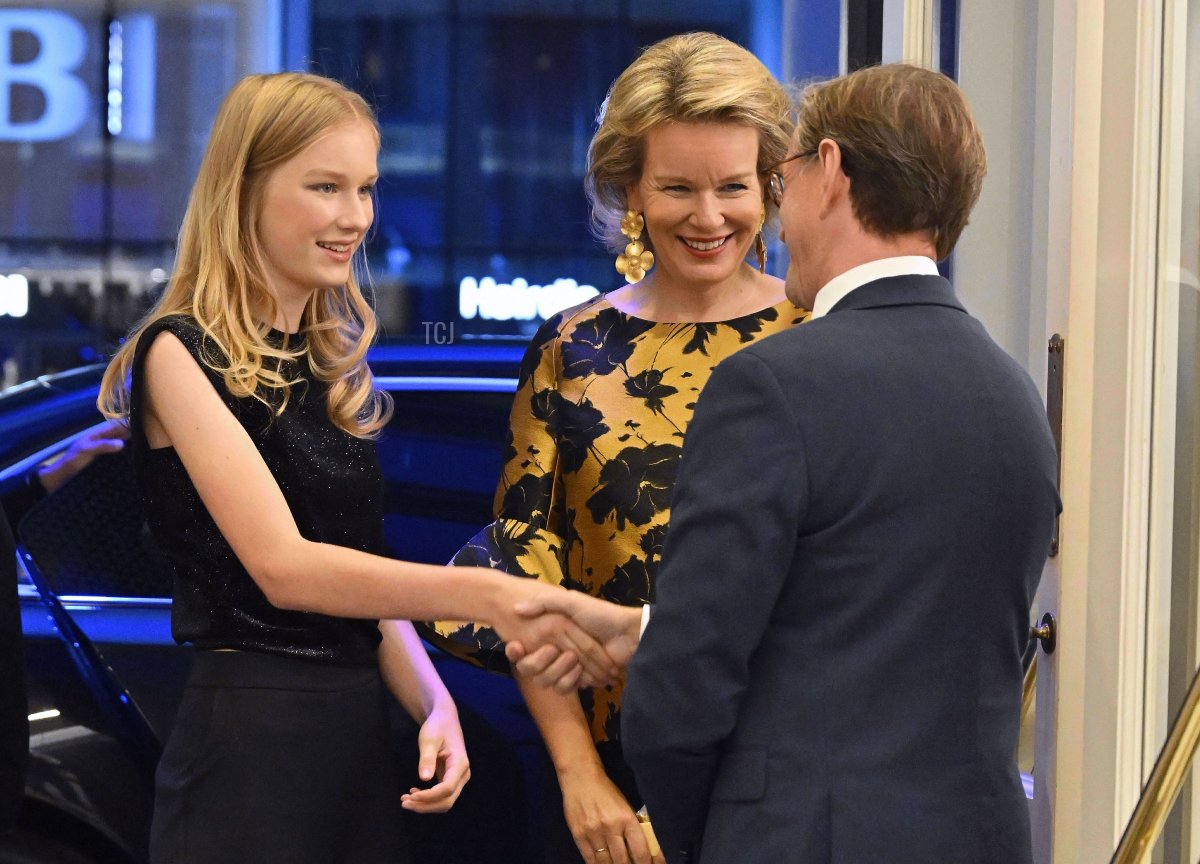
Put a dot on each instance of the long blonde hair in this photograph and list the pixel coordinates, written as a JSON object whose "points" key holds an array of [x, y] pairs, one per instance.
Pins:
{"points": [[220, 279]]}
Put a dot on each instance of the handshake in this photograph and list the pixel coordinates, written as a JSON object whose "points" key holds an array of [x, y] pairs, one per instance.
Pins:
{"points": [[566, 639]]}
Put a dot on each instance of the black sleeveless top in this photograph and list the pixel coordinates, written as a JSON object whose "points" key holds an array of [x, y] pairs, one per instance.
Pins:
{"points": [[331, 481]]}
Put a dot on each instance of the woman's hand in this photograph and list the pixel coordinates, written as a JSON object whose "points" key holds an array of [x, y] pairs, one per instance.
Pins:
{"points": [[109, 438], [603, 824], [443, 755]]}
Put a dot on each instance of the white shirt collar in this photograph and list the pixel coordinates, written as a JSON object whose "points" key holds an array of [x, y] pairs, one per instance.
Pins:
{"points": [[839, 286]]}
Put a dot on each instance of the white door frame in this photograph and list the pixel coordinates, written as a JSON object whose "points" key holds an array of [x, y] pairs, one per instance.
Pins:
{"points": [[1069, 96], [1092, 753], [1092, 179]]}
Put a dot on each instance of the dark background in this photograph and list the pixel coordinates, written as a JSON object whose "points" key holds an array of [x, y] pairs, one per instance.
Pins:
{"points": [[486, 108]]}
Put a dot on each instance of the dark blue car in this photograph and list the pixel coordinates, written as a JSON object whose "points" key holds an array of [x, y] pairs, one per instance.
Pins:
{"points": [[105, 677]]}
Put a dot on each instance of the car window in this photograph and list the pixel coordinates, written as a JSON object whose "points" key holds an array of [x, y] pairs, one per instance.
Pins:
{"points": [[90, 537]]}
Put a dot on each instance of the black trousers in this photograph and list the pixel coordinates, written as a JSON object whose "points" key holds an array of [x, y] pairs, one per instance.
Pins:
{"points": [[275, 759]]}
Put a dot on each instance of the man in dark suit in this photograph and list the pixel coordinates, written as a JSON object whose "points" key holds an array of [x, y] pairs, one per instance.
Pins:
{"points": [[833, 672]]}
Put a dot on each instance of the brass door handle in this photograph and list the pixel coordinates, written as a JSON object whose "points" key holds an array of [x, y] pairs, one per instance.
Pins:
{"points": [[1046, 633]]}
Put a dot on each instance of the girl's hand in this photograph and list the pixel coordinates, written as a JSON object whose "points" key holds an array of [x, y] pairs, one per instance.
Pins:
{"points": [[585, 663], [443, 755]]}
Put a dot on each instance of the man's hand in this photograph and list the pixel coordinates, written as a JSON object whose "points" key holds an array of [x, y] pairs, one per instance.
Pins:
{"points": [[616, 628], [109, 438], [579, 659]]}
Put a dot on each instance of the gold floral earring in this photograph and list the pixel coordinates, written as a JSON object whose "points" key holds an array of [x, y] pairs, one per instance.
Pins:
{"points": [[760, 245], [636, 259]]}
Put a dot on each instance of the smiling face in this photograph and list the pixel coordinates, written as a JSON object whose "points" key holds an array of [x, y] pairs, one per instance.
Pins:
{"points": [[315, 209], [702, 199]]}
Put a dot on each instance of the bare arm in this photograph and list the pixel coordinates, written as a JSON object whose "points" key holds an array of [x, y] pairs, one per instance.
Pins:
{"points": [[597, 813], [410, 675], [184, 410]]}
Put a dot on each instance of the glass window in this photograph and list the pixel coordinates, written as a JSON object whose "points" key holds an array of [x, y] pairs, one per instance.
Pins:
{"points": [[487, 110], [51, 139], [441, 456], [168, 70], [104, 115]]}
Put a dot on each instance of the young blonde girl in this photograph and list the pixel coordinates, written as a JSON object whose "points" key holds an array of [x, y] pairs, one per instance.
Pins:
{"points": [[251, 410]]}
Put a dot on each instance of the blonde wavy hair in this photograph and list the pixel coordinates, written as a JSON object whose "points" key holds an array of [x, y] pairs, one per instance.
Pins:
{"points": [[691, 78], [220, 279]]}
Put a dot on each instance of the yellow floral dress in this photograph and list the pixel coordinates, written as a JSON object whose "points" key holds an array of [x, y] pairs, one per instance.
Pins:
{"points": [[597, 427]]}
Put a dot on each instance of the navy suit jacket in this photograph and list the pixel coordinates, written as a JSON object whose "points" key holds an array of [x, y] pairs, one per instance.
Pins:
{"points": [[832, 673]]}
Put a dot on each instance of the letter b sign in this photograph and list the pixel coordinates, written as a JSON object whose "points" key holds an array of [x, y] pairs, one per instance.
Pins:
{"points": [[62, 45]]}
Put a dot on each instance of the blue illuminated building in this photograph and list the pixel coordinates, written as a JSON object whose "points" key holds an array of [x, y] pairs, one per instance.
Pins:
{"points": [[486, 110]]}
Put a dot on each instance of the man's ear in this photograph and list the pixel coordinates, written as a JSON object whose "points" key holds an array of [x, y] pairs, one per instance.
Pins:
{"points": [[835, 185]]}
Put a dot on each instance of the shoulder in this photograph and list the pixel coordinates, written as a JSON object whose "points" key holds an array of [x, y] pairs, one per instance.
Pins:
{"points": [[543, 347], [796, 358], [170, 362], [175, 350], [750, 363], [183, 327], [776, 318], [187, 333], [164, 347], [748, 384], [565, 322], [789, 335]]}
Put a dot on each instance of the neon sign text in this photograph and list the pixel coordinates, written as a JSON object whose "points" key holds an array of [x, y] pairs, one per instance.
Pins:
{"points": [[501, 301]]}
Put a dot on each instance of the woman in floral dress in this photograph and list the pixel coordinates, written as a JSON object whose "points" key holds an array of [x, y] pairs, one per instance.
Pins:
{"points": [[679, 177]]}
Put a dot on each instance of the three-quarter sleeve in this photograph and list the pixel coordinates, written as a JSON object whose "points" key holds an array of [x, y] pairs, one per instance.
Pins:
{"points": [[526, 538]]}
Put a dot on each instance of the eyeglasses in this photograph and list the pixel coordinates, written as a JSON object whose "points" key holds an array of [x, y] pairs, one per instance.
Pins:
{"points": [[775, 184]]}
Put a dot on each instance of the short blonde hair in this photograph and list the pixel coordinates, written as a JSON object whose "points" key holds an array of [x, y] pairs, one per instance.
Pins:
{"points": [[693, 77], [220, 280], [909, 145]]}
